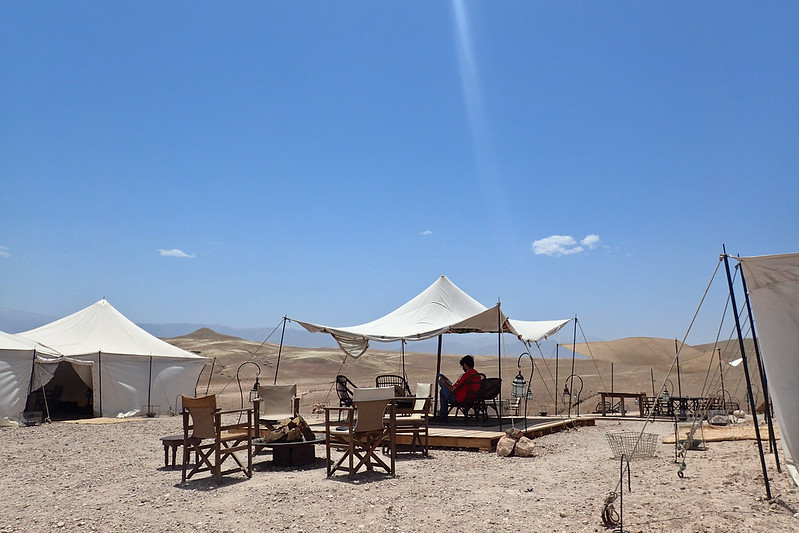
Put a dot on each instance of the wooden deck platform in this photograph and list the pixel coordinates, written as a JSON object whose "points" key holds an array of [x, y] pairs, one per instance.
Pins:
{"points": [[484, 437]]}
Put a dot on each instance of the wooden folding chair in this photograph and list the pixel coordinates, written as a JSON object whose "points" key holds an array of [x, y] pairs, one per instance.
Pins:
{"points": [[212, 441], [278, 402], [415, 420], [363, 433]]}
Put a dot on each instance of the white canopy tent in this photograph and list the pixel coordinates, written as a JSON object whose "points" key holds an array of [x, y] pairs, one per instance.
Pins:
{"points": [[17, 355], [773, 285], [127, 369], [441, 308]]}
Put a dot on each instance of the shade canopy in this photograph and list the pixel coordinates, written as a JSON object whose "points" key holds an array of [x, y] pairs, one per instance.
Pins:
{"points": [[441, 308], [773, 285]]}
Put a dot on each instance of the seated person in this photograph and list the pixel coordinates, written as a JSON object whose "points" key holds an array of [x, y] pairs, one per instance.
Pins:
{"points": [[455, 391]]}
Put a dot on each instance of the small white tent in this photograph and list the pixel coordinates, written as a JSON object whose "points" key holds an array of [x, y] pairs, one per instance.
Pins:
{"points": [[127, 369], [17, 355]]}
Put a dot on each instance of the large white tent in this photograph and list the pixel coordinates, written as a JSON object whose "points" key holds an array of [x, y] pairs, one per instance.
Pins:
{"points": [[127, 369], [773, 285]]}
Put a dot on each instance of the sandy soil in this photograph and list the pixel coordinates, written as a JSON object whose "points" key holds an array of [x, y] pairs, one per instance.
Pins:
{"points": [[80, 477], [111, 477]]}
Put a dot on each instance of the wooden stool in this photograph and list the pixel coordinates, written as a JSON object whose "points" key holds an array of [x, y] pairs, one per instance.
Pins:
{"points": [[174, 442]]}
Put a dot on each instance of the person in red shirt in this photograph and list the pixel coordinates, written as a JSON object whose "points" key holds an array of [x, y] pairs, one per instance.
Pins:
{"points": [[456, 391]]}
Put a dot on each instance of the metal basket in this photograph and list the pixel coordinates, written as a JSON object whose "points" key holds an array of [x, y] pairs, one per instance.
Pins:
{"points": [[634, 445]]}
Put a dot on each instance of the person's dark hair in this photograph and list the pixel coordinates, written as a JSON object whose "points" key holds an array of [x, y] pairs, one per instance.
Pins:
{"points": [[467, 360]]}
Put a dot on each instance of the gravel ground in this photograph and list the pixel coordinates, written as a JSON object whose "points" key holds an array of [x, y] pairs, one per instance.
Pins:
{"points": [[111, 477]]}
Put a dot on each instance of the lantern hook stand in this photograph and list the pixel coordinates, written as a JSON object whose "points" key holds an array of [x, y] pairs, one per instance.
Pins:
{"points": [[518, 386], [577, 395], [254, 391], [610, 517]]}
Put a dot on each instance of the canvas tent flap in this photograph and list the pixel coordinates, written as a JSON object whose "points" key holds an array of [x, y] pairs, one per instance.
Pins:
{"points": [[534, 331], [773, 285], [638, 351], [17, 355], [441, 308]]}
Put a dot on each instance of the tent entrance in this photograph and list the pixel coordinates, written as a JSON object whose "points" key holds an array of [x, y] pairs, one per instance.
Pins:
{"points": [[66, 393]]}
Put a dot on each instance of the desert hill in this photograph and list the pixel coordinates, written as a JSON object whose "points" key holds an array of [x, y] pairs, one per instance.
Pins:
{"points": [[314, 371]]}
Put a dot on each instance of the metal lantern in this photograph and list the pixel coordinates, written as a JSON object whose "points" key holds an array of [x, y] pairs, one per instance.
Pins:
{"points": [[519, 386], [566, 396], [254, 396]]}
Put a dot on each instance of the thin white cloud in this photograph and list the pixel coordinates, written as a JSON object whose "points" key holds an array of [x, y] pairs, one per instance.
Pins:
{"points": [[426, 232], [4, 252], [174, 252], [557, 245], [592, 241]]}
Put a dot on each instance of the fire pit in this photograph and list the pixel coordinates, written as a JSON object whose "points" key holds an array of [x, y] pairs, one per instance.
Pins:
{"points": [[292, 442]]}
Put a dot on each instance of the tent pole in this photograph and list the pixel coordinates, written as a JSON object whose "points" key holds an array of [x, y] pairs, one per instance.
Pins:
{"points": [[557, 383], [280, 350], [574, 347], [211, 373], [746, 373], [772, 439], [499, 361], [30, 382], [100, 381], [652, 377], [611, 377], [721, 377], [149, 386], [679, 381], [435, 381]]}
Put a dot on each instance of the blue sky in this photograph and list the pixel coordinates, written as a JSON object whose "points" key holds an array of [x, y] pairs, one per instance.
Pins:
{"points": [[236, 162]]}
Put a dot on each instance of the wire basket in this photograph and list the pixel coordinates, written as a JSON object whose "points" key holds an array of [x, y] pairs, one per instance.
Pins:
{"points": [[634, 445]]}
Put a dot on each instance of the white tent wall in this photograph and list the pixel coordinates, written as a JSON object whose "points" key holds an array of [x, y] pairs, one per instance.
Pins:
{"points": [[125, 382], [17, 355], [15, 376], [773, 285]]}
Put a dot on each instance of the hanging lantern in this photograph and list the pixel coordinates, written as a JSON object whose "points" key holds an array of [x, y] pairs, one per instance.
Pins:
{"points": [[566, 396], [519, 385], [254, 396]]}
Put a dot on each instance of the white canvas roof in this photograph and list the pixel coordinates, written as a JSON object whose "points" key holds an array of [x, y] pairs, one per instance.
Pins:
{"points": [[441, 308], [100, 328], [773, 285]]}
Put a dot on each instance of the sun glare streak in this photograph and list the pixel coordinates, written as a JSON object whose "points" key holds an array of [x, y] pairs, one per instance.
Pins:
{"points": [[470, 80]]}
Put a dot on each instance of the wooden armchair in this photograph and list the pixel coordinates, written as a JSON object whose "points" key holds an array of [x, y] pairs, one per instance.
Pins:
{"points": [[487, 396], [344, 389], [212, 441], [414, 421], [398, 382], [362, 433]]}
